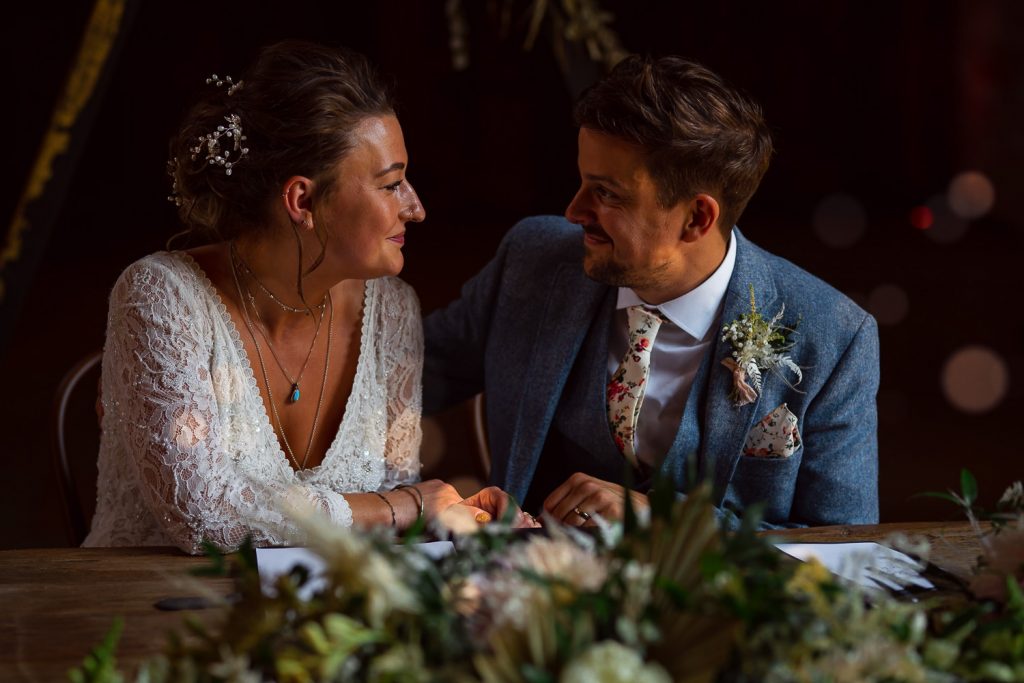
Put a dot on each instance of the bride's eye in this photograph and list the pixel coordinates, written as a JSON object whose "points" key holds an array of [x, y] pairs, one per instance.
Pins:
{"points": [[394, 186]]}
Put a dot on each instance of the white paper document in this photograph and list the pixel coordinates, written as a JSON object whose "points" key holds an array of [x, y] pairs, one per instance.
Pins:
{"points": [[273, 562], [868, 564]]}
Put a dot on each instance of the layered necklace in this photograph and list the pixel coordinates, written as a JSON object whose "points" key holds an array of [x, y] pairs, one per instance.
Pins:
{"points": [[294, 394], [327, 303], [266, 290]]}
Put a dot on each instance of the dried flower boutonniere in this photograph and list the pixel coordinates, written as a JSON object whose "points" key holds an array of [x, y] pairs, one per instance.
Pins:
{"points": [[757, 345]]}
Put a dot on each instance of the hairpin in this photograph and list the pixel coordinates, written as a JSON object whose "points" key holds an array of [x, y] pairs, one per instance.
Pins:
{"points": [[232, 86], [172, 170], [215, 153]]}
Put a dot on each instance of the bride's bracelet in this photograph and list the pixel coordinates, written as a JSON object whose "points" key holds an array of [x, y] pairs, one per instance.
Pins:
{"points": [[418, 495], [394, 522]]}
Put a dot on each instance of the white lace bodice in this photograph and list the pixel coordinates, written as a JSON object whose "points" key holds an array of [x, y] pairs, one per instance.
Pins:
{"points": [[188, 451]]}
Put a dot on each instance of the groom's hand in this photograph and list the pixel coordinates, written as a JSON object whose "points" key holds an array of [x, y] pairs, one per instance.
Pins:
{"points": [[496, 502], [582, 496]]}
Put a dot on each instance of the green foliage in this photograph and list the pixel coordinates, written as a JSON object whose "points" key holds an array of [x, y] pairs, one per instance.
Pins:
{"points": [[667, 596], [100, 665], [968, 487]]}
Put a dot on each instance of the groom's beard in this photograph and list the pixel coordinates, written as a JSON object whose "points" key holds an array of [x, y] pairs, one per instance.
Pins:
{"points": [[600, 265]]}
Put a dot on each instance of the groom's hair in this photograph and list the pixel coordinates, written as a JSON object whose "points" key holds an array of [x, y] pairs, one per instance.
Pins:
{"points": [[698, 133]]}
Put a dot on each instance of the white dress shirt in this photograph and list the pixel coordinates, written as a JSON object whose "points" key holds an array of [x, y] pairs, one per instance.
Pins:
{"points": [[679, 347]]}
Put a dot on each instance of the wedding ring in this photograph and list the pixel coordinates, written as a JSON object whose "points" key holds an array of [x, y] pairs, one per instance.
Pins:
{"points": [[581, 513]]}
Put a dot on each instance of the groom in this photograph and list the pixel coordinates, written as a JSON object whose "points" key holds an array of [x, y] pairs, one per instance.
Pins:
{"points": [[623, 339]]}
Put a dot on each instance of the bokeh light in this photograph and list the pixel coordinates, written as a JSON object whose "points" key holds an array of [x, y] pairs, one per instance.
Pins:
{"points": [[839, 220], [975, 379], [889, 304], [947, 227], [921, 217], [971, 195]]}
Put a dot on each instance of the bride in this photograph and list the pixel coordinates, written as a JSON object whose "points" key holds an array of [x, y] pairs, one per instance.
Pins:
{"points": [[281, 362]]}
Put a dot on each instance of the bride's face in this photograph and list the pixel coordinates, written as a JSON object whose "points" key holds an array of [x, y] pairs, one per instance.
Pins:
{"points": [[371, 203]]}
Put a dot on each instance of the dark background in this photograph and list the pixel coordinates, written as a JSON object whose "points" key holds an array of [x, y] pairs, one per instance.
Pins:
{"points": [[883, 102]]}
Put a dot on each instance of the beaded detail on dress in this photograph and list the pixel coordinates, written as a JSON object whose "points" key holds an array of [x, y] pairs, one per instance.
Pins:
{"points": [[188, 451]]}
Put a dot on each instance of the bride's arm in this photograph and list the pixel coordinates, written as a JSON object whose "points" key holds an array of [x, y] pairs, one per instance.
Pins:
{"points": [[402, 354], [167, 421], [401, 349]]}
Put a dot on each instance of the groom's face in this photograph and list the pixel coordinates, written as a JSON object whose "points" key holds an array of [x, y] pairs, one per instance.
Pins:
{"points": [[629, 239]]}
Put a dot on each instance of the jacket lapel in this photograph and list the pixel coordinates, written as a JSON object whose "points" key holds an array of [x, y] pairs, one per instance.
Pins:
{"points": [[571, 304], [727, 425]]}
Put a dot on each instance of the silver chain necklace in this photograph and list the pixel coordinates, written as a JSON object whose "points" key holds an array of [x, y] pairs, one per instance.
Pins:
{"points": [[266, 290], [266, 377], [294, 394]]}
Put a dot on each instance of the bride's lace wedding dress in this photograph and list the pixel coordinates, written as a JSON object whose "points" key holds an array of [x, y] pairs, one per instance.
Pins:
{"points": [[188, 452]]}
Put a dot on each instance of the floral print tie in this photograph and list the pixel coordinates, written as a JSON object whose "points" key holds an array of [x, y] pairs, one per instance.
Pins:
{"points": [[628, 384]]}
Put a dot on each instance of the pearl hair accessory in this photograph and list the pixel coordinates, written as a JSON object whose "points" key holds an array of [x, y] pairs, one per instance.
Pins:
{"points": [[217, 152], [232, 86], [172, 170]]}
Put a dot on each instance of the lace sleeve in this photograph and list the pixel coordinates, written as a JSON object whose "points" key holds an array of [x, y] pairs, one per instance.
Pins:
{"points": [[158, 383], [402, 350]]}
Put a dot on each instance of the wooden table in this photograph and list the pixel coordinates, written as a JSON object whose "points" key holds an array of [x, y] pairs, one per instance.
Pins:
{"points": [[56, 605], [954, 545]]}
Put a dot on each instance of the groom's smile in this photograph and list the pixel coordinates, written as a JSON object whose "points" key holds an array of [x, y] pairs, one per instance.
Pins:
{"points": [[629, 238]]}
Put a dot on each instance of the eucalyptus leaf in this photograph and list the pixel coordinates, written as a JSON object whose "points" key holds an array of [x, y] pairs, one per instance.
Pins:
{"points": [[968, 486]]}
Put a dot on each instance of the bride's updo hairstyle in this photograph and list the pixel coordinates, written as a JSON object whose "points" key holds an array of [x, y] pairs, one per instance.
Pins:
{"points": [[292, 113]]}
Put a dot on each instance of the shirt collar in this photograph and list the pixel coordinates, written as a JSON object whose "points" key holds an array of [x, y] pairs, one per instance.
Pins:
{"points": [[696, 311]]}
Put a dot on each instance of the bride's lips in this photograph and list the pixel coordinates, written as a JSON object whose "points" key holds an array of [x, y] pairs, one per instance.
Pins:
{"points": [[398, 239]]}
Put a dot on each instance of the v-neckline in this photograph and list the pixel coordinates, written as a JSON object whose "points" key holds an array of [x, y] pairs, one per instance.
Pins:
{"points": [[236, 337]]}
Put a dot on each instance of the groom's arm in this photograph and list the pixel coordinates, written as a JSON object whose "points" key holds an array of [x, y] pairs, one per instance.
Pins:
{"points": [[456, 339]]}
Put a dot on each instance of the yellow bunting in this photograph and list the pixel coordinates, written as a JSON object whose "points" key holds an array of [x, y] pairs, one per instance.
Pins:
{"points": [[97, 42]]}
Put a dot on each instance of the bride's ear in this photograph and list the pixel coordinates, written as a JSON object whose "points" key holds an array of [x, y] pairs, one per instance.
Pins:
{"points": [[297, 198]]}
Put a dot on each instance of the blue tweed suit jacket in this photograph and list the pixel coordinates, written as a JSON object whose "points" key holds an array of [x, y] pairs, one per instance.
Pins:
{"points": [[520, 323]]}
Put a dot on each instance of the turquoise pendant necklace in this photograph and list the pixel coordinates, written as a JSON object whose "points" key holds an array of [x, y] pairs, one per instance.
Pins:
{"points": [[294, 394]]}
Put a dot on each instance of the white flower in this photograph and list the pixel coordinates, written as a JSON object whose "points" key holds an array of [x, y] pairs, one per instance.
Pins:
{"points": [[510, 597], [757, 345], [562, 559], [353, 563], [611, 662], [1013, 497]]}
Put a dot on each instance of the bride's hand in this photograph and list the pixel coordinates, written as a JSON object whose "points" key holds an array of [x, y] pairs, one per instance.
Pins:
{"points": [[443, 505], [495, 502], [442, 502], [438, 496]]}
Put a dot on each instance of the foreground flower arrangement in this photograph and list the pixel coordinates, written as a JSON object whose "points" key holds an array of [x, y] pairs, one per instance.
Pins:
{"points": [[670, 599]]}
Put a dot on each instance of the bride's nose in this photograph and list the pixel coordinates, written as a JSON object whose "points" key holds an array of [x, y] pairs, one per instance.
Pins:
{"points": [[412, 208]]}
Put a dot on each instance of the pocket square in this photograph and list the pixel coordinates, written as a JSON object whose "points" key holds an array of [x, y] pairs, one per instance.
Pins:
{"points": [[775, 436]]}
